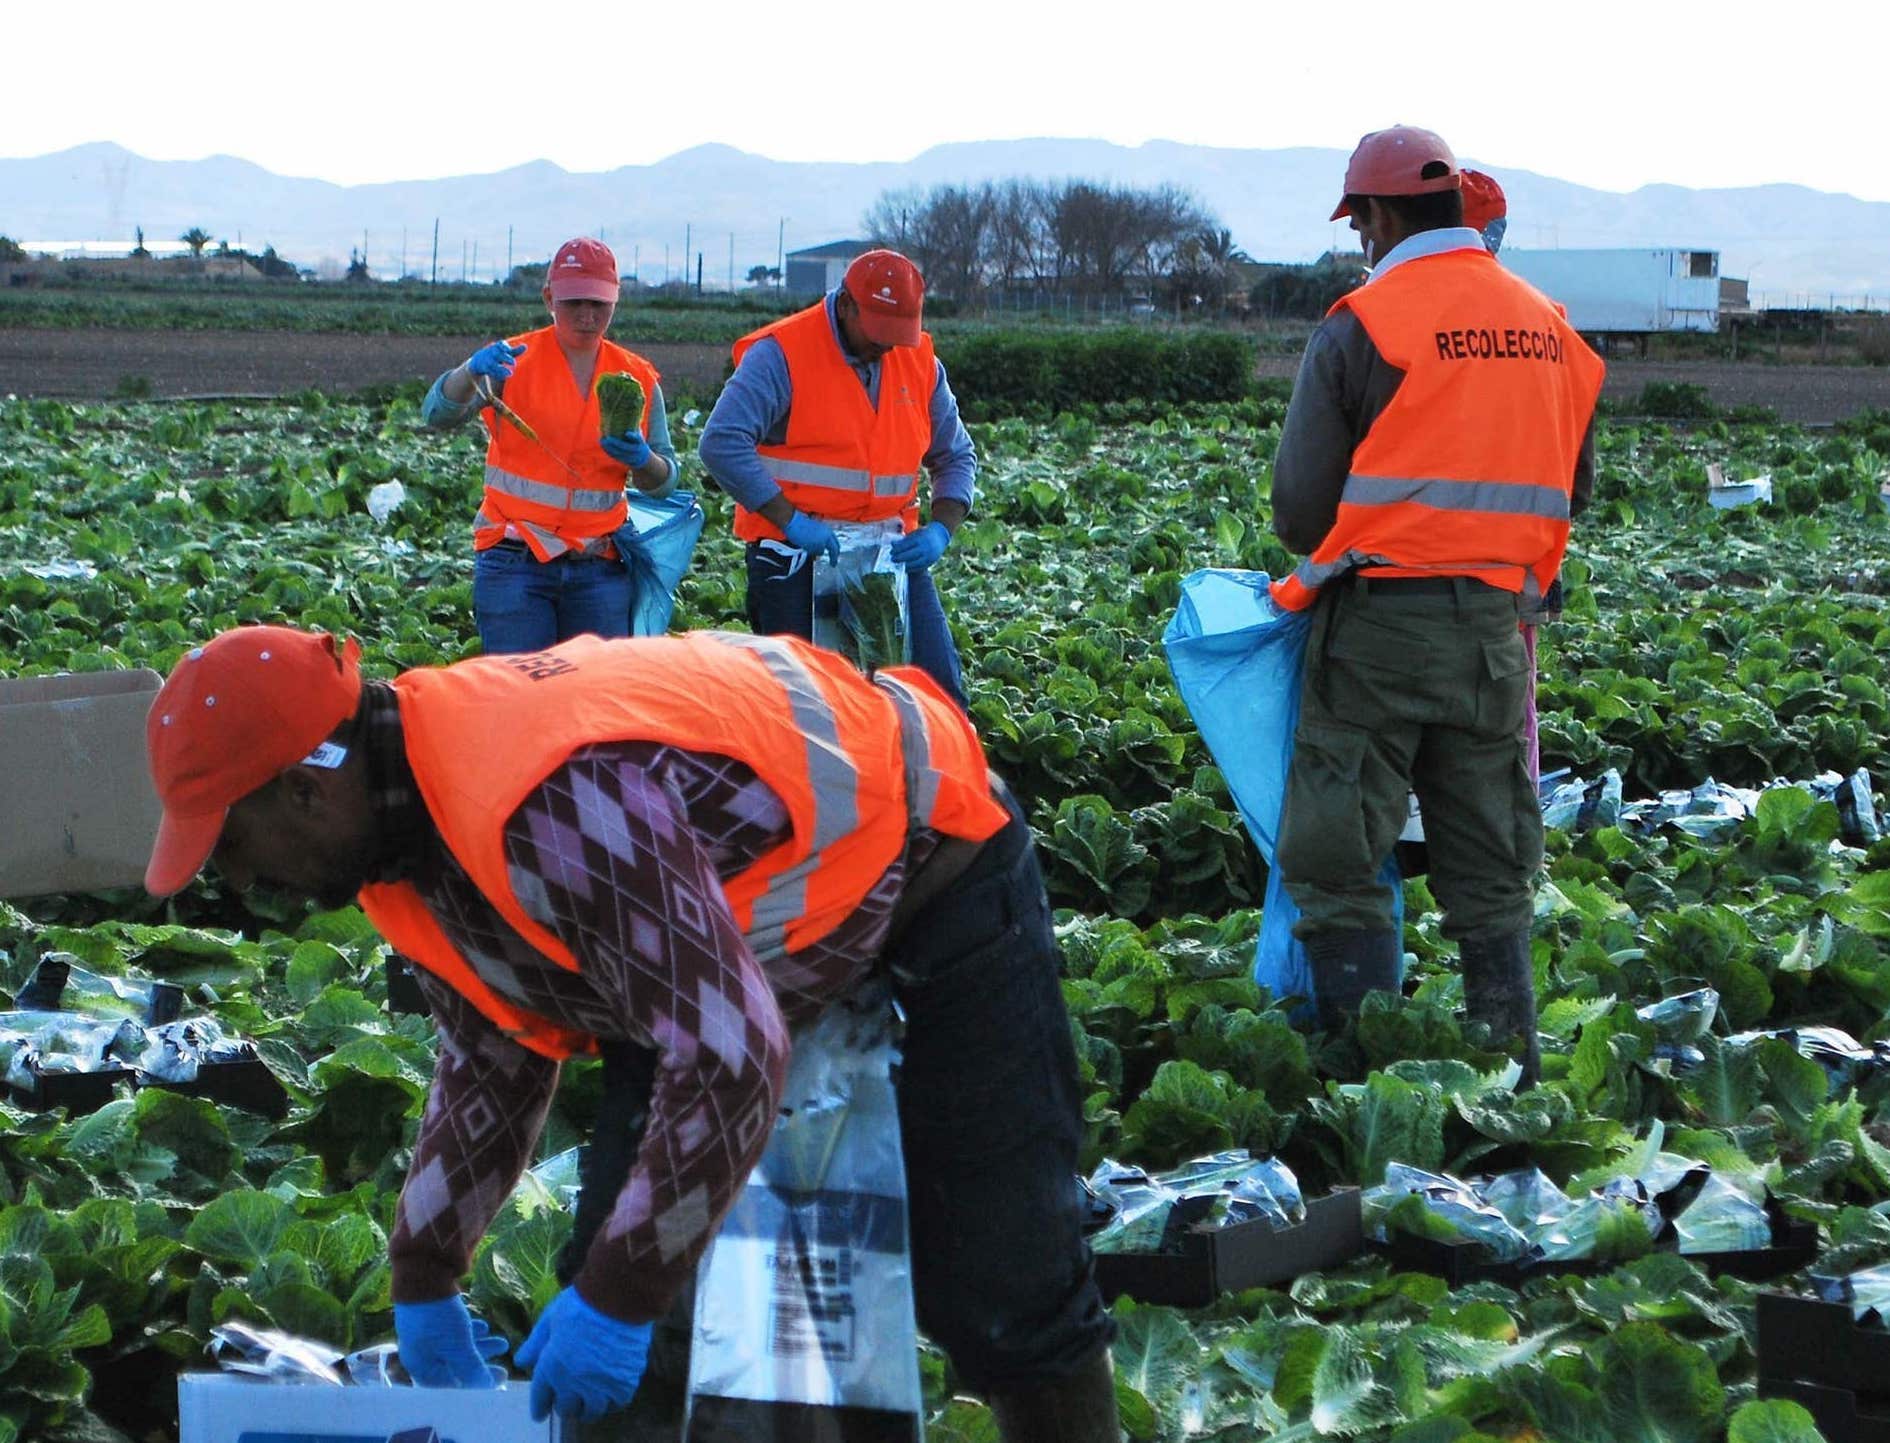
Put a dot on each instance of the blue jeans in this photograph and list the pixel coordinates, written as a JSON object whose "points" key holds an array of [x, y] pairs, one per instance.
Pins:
{"points": [[781, 603], [523, 604]]}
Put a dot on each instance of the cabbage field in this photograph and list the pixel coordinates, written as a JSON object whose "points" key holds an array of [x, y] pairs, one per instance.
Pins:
{"points": [[1743, 646]]}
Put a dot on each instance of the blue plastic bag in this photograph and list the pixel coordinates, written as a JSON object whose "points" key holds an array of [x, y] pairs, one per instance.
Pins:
{"points": [[1236, 657], [656, 542]]}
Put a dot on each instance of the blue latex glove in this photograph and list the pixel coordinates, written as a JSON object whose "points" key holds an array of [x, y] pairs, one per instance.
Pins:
{"points": [[494, 361], [811, 534], [583, 1363], [442, 1345], [919, 549], [628, 447]]}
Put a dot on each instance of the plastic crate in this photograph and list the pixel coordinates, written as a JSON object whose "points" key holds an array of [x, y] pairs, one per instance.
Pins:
{"points": [[1247, 1255]]}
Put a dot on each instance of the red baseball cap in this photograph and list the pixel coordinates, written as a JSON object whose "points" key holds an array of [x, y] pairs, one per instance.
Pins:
{"points": [[236, 713], [583, 270], [1393, 162], [890, 293], [1483, 199]]}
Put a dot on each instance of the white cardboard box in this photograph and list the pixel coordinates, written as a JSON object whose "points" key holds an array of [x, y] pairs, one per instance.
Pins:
{"points": [[227, 1408], [80, 812]]}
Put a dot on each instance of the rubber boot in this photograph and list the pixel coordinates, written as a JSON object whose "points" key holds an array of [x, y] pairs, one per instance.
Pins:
{"points": [[1079, 1408], [1347, 965], [1499, 990]]}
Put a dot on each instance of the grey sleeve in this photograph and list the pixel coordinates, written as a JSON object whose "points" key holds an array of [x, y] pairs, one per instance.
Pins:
{"points": [[1584, 489], [1342, 387]]}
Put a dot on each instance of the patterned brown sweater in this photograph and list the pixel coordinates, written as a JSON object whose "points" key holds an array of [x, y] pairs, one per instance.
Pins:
{"points": [[621, 853]]}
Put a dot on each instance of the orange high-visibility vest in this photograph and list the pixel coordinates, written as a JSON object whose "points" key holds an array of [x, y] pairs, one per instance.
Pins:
{"points": [[842, 459], [1469, 470], [552, 509], [857, 763]]}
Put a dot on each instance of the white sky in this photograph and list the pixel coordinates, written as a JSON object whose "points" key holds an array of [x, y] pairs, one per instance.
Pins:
{"points": [[1608, 93]]}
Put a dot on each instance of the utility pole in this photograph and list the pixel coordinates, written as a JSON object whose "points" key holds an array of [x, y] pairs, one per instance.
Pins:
{"points": [[436, 252], [698, 272]]}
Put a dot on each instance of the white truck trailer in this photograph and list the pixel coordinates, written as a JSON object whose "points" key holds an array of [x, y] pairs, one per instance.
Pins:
{"points": [[1626, 292]]}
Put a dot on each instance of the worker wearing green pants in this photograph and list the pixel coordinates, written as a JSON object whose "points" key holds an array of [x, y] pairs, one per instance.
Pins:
{"points": [[1439, 440]]}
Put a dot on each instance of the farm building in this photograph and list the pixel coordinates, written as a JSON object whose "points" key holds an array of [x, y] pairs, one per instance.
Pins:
{"points": [[818, 269]]}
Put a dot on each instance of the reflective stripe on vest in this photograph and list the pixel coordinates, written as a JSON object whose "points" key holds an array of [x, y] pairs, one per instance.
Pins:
{"points": [[838, 478], [1500, 498], [921, 780], [546, 493], [836, 788]]}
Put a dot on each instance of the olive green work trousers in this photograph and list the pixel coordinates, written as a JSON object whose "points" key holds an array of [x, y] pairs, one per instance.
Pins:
{"points": [[1412, 686]]}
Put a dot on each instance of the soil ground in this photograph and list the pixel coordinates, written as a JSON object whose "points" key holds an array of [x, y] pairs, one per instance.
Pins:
{"points": [[96, 365]]}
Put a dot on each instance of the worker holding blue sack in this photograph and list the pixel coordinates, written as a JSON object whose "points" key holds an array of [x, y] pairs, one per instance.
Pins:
{"points": [[1439, 440]]}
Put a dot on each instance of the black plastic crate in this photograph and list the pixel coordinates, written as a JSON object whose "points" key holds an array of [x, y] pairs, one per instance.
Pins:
{"points": [[78, 1092], [1811, 1341], [1841, 1415], [244, 1082], [1794, 1246], [1248, 1255]]}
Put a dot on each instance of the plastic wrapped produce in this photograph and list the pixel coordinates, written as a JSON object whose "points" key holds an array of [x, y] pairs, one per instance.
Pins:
{"points": [[1528, 1201], [1615, 1223], [279, 1357], [1723, 1218], [1682, 1019], [861, 607], [1451, 1207]]}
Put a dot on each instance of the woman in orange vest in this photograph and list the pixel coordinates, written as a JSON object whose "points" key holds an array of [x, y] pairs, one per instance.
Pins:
{"points": [[547, 568], [696, 841]]}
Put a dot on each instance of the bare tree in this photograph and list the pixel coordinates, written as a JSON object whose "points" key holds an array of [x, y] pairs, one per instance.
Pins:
{"points": [[1074, 236]]}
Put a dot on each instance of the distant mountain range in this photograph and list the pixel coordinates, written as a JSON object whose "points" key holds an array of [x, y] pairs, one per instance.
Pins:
{"points": [[1793, 244]]}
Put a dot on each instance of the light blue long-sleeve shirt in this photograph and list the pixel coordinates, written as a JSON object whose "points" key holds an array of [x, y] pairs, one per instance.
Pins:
{"points": [[442, 413], [753, 411]]}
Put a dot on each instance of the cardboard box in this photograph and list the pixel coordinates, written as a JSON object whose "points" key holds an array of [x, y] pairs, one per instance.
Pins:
{"points": [[230, 1408], [80, 812], [1247, 1255]]}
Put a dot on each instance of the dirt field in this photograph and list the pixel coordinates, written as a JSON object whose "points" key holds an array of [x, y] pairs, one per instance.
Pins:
{"points": [[92, 365], [1810, 395]]}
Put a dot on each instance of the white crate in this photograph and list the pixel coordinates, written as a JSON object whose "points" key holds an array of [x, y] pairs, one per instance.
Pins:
{"points": [[227, 1408]]}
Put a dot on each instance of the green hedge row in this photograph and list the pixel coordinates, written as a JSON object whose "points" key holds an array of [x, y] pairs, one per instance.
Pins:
{"points": [[1038, 374]]}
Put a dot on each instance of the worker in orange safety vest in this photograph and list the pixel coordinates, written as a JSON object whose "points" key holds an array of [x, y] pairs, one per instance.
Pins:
{"points": [[695, 842], [1439, 439], [829, 417], [549, 566]]}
